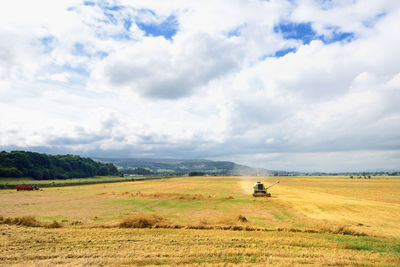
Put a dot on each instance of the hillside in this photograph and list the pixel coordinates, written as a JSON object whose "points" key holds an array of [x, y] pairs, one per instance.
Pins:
{"points": [[184, 166], [47, 167]]}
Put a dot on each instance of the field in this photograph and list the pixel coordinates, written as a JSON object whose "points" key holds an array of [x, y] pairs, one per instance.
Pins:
{"points": [[205, 220], [10, 183]]}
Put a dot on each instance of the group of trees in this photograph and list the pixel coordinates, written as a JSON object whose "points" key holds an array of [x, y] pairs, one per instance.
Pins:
{"points": [[360, 177], [196, 173], [137, 171], [46, 167]]}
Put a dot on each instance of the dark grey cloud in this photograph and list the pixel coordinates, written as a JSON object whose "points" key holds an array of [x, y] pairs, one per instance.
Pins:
{"points": [[70, 141]]}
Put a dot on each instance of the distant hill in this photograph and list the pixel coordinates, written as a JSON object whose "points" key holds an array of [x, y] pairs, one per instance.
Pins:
{"points": [[183, 166]]}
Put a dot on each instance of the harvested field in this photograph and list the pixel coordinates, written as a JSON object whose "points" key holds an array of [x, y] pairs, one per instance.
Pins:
{"points": [[118, 246], [204, 220]]}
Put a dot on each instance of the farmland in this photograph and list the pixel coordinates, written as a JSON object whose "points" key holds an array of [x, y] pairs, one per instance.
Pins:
{"points": [[10, 183], [330, 220]]}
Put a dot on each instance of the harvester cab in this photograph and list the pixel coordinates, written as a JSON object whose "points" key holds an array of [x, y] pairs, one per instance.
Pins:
{"points": [[261, 191]]}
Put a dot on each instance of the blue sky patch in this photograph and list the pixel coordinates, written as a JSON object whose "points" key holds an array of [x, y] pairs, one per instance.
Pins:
{"points": [[127, 24], [168, 28], [146, 11], [371, 22], [326, 4], [81, 70], [79, 50], [113, 8], [297, 31], [107, 6], [110, 17], [339, 37], [101, 54], [48, 43], [279, 53], [108, 10], [282, 52], [305, 33], [88, 3], [235, 32]]}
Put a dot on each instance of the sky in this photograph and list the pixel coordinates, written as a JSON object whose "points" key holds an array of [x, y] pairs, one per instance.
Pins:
{"points": [[311, 85]]}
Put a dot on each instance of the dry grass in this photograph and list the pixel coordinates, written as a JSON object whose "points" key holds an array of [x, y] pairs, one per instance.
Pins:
{"points": [[70, 246], [177, 196], [369, 206], [158, 221], [142, 221], [343, 230], [54, 224], [323, 221], [241, 218], [29, 221], [76, 223]]}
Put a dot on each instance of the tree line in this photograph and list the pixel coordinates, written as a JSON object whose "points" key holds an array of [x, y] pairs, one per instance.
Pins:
{"points": [[137, 171], [41, 166]]}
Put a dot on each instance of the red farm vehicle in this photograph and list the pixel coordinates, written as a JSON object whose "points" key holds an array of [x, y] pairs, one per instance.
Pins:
{"points": [[26, 187]]}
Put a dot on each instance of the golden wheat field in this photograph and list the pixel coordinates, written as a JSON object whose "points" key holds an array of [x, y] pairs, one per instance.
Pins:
{"points": [[204, 221]]}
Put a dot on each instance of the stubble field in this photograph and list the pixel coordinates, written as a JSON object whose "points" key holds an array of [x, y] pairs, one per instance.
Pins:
{"points": [[206, 220]]}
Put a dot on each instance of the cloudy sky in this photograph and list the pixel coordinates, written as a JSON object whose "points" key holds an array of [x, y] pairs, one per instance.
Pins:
{"points": [[295, 85]]}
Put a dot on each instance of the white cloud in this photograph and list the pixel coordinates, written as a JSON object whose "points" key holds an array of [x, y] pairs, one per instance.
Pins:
{"points": [[161, 69], [76, 78]]}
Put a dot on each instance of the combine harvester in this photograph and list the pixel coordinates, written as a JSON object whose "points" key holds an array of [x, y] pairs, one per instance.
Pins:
{"points": [[261, 191]]}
